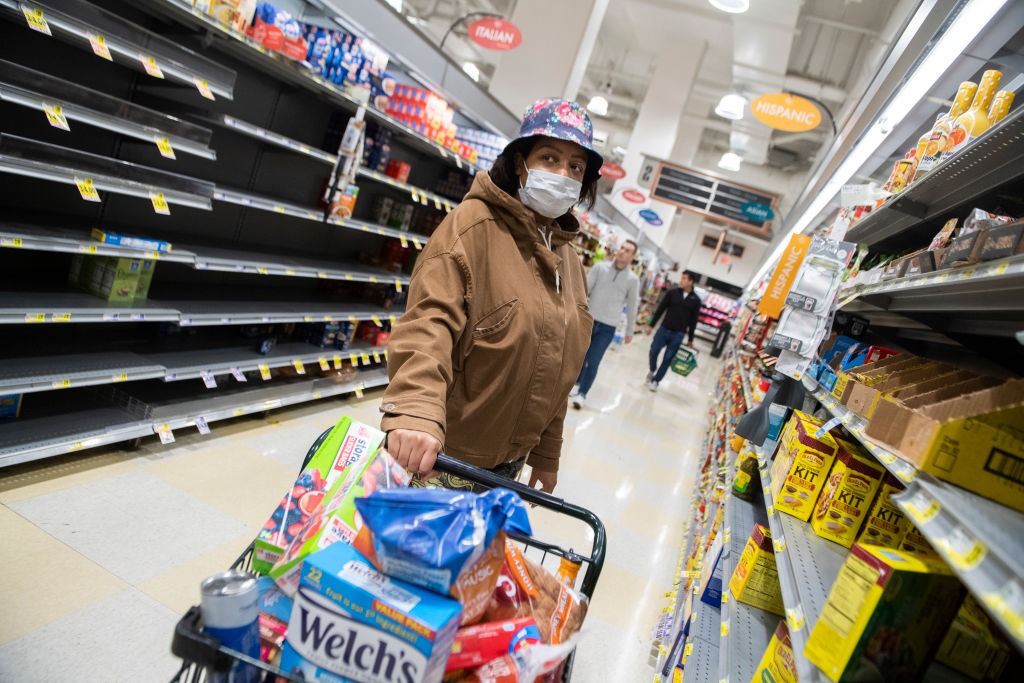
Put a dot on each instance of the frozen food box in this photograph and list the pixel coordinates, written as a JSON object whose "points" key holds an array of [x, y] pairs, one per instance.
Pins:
{"points": [[885, 617], [797, 477], [886, 523], [847, 494], [778, 663], [755, 581], [350, 622]]}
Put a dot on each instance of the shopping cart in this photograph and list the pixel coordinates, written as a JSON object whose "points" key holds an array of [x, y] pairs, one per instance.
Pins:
{"points": [[203, 655], [685, 361]]}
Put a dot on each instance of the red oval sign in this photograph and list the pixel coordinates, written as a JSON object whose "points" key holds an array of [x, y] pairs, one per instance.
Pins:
{"points": [[495, 33], [612, 171], [634, 196]]}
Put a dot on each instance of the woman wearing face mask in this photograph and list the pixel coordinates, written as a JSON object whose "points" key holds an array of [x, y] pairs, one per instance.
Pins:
{"points": [[497, 323]]}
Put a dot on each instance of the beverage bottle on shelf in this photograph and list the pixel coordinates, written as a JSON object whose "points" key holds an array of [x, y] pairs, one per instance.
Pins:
{"points": [[1000, 106], [975, 121], [932, 145], [902, 171]]}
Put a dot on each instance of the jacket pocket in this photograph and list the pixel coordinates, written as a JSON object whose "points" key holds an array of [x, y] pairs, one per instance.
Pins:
{"points": [[496, 320]]}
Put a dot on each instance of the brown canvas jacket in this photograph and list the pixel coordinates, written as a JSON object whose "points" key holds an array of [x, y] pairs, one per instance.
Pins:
{"points": [[491, 341]]}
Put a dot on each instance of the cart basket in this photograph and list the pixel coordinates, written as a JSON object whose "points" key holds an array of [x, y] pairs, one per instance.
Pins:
{"points": [[685, 361], [203, 655]]}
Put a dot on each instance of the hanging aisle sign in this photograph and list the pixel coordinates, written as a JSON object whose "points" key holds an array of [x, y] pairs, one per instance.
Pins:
{"points": [[786, 112], [634, 196], [495, 33], [651, 217]]}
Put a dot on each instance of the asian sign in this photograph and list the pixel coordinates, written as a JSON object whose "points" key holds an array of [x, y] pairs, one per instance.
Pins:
{"points": [[701, 193]]}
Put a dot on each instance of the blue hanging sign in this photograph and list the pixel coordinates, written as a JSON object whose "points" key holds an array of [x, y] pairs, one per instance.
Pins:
{"points": [[759, 212], [651, 217]]}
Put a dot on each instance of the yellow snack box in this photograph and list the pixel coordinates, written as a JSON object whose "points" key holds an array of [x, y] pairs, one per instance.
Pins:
{"points": [[847, 495], [886, 524], [755, 581], [972, 646], [915, 542], [797, 480], [885, 617], [778, 664]]}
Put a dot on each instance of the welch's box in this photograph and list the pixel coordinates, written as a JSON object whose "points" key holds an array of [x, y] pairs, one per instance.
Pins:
{"points": [[349, 622]]}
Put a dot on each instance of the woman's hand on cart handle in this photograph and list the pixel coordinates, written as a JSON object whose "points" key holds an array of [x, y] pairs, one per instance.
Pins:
{"points": [[547, 480], [415, 451]]}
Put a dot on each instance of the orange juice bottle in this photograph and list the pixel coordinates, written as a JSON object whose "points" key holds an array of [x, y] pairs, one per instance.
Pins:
{"points": [[932, 145], [975, 121], [1000, 106]]}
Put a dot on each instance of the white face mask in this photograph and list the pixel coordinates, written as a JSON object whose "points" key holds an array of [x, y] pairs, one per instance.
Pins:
{"points": [[549, 194]]}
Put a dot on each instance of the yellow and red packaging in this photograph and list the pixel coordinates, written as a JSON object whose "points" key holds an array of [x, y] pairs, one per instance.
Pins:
{"points": [[778, 664], [915, 542], [479, 644], [886, 524], [847, 494], [973, 645], [885, 616], [799, 474], [755, 581]]}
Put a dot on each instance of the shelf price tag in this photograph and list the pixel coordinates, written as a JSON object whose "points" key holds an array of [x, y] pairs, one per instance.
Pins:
{"points": [[160, 203], [359, 391], [398, 286], [437, 203], [238, 375], [60, 384], [415, 195], [165, 433], [150, 65], [324, 365], [1009, 605], [354, 359], [779, 543], [447, 206], [10, 242], [352, 319], [123, 377], [964, 551], [373, 279], [87, 189], [376, 320], [299, 367], [458, 160], [35, 317], [55, 116], [60, 317], [364, 358], [921, 508], [376, 357], [1000, 269], [36, 20], [204, 88], [416, 243], [423, 199], [202, 425], [795, 618], [405, 242], [208, 379], [392, 319], [264, 371], [164, 145], [337, 361], [99, 45]]}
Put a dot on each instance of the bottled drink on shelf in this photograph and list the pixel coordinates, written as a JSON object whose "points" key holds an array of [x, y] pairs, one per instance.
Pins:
{"points": [[975, 121], [1000, 106], [933, 144], [901, 174]]}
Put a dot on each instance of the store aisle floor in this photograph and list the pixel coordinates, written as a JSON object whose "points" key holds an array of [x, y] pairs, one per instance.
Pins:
{"points": [[106, 551]]}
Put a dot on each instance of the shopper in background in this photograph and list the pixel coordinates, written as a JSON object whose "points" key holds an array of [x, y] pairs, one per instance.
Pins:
{"points": [[497, 322], [612, 285], [680, 306]]}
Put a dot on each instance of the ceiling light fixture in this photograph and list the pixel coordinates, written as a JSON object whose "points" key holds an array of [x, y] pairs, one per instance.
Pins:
{"points": [[960, 33], [731, 6], [731, 106], [730, 161], [472, 71], [598, 105]]}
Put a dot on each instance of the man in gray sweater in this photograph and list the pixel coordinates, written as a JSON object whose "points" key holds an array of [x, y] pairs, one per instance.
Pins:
{"points": [[612, 285]]}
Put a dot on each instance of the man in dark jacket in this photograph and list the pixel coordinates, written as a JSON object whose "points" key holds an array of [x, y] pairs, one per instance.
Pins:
{"points": [[680, 307]]}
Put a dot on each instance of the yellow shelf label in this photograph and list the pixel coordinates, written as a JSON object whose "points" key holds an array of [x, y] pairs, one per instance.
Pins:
{"points": [[264, 371], [376, 320], [299, 367], [204, 88], [307, 318], [437, 203], [398, 286], [964, 551], [337, 361], [392, 319], [150, 65], [60, 384], [123, 377], [348, 276], [99, 45], [416, 243], [1000, 269], [423, 199], [447, 206], [261, 271], [376, 357], [289, 271], [36, 20], [11, 242], [353, 359], [771, 510], [55, 116], [61, 317], [795, 618], [159, 203], [405, 242], [164, 145], [352, 319], [922, 509], [415, 195], [328, 318], [278, 209], [324, 365], [365, 358], [359, 391], [35, 317], [725, 628], [780, 544], [322, 275]]}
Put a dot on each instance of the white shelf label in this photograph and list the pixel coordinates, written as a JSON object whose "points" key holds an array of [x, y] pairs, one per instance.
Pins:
{"points": [[204, 88], [202, 425], [238, 374], [165, 433], [208, 379]]}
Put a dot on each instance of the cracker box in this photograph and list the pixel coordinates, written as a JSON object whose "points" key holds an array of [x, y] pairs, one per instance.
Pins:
{"points": [[351, 621], [885, 617], [797, 480], [972, 645], [777, 664], [755, 580], [847, 494], [886, 523]]}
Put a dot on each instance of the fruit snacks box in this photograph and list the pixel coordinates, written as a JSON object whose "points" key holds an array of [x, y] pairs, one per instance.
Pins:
{"points": [[886, 524], [346, 443], [847, 494], [352, 623], [799, 473], [885, 616], [755, 580]]}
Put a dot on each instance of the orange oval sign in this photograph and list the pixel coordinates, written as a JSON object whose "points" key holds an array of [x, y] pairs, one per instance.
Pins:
{"points": [[786, 112]]}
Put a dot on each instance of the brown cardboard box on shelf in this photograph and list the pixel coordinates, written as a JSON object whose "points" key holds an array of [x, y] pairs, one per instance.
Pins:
{"points": [[1002, 241], [964, 250], [920, 262], [839, 391], [873, 373], [864, 397], [975, 441]]}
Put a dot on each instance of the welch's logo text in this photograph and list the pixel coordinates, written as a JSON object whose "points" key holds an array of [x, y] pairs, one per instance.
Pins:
{"points": [[324, 635]]}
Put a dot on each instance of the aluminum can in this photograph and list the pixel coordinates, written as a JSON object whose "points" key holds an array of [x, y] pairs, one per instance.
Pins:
{"points": [[230, 607]]}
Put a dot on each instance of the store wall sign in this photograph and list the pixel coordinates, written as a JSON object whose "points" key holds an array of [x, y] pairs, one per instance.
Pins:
{"points": [[711, 242], [708, 195], [782, 279], [495, 33], [651, 217], [634, 196], [786, 112], [759, 212], [612, 171]]}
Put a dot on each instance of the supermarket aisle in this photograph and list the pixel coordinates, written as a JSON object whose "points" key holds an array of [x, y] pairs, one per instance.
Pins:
{"points": [[105, 552]]}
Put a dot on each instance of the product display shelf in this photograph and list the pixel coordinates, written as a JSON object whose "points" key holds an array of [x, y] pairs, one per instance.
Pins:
{"points": [[419, 195], [993, 160], [74, 307], [24, 440], [30, 374], [71, 241], [292, 71], [703, 642], [25, 157], [111, 37], [235, 261], [807, 567], [745, 630], [270, 137], [257, 312], [37, 90]]}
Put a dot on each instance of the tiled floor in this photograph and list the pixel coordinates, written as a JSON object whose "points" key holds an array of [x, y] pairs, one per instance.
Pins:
{"points": [[106, 551]]}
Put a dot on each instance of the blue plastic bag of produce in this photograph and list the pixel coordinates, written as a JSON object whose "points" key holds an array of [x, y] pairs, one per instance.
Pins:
{"points": [[429, 536]]}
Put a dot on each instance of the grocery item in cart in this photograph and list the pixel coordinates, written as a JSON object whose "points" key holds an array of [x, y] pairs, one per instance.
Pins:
{"points": [[476, 645], [350, 620], [230, 607], [529, 665]]}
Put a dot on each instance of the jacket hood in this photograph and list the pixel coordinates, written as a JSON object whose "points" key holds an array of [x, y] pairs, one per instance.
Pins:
{"points": [[521, 220]]}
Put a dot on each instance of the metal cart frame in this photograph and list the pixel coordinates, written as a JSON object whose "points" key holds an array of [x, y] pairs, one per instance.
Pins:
{"points": [[203, 654]]}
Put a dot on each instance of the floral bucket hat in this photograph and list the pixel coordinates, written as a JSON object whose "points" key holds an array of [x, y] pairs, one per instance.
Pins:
{"points": [[563, 120]]}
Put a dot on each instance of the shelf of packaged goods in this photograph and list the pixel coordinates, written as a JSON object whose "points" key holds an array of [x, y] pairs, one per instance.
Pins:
{"points": [[272, 138], [74, 307], [194, 364], [296, 73], [44, 161], [264, 312], [978, 538], [703, 642], [807, 566], [35, 90], [419, 195], [111, 37], [31, 374], [991, 161], [745, 630], [234, 261], [70, 241], [27, 439]]}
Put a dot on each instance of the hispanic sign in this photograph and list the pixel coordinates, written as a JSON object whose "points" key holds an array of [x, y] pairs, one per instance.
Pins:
{"points": [[707, 195], [786, 112], [495, 33], [785, 274]]}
